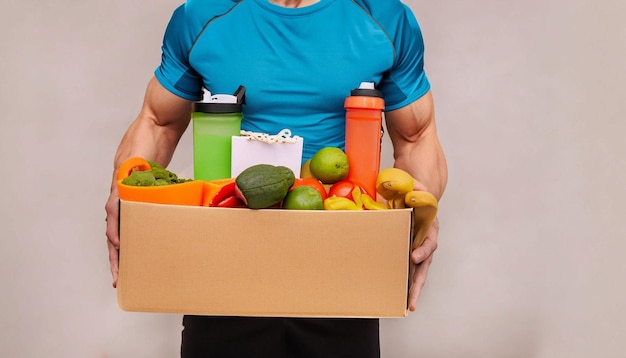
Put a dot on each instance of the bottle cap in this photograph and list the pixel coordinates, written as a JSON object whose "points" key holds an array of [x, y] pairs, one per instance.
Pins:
{"points": [[221, 103], [367, 89], [366, 96]]}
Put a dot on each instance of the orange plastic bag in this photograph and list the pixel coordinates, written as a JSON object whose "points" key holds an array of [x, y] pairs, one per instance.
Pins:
{"points": [[188, 193]]}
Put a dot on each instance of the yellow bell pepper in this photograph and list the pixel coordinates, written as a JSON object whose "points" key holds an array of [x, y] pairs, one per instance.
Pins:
{"points": [[370, 204], [338, 203]]}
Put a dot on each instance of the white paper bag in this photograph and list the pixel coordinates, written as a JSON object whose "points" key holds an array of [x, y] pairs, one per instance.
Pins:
{"points": [[259, 148]]}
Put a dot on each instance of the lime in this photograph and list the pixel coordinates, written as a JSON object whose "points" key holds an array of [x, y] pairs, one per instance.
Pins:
{"points": [[303, 198], [329, 165]]}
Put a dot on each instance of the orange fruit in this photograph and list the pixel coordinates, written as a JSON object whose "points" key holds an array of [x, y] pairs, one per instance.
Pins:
{"points": [[329, 165], [303, 198]]}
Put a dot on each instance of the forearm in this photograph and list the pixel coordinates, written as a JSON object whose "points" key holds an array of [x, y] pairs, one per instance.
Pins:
{"points": [[157, 130], [416, 146], [146, 139], [425, 161]]}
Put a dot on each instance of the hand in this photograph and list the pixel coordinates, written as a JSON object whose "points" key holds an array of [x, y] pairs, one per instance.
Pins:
{"points": [[421, 259], [112, 233]]}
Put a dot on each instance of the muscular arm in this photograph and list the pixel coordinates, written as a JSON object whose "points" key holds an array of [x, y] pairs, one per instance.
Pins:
{"points": [[163, 119], [417, 150], [416, 145]]}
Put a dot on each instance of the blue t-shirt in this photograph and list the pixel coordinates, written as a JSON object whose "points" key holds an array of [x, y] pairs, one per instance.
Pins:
{"points": [[298, 64]]}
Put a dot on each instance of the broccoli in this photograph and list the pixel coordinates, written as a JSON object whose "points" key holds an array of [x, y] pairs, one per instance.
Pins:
{"points": [[140, 178], [156, 176], [164, 174], [160, 182]]}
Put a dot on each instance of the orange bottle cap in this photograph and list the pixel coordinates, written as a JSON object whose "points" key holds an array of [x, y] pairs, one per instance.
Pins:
{"points": [[365, 102]]}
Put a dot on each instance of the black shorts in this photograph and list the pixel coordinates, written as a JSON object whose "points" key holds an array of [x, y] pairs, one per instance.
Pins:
{"points": [[255, 337]]}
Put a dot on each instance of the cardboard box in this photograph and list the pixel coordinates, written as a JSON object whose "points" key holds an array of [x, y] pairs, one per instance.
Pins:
{"points": [[272, 262]]}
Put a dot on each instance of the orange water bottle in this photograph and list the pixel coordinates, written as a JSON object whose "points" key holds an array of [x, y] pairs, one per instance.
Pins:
{"points": [[364, 110]]}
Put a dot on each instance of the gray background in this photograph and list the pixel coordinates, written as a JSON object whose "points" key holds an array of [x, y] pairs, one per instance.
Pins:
{"points": [[530, 104]]}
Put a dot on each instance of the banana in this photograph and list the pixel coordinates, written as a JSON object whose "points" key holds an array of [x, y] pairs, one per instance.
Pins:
{"points": [[393, 184], [425, 208]]}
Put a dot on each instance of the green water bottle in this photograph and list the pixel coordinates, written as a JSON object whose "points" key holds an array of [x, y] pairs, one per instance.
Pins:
{"points": [[215, 121]]}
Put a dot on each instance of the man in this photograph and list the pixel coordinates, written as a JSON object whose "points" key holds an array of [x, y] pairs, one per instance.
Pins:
{"points": [[298, 61]]}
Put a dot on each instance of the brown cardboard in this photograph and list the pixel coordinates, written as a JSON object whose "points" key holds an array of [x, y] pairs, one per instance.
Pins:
{"points": [[285, 263]]}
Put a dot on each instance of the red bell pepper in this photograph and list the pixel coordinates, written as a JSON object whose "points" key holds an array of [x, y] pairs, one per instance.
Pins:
{"points": [[225, 192], [231, 202]]}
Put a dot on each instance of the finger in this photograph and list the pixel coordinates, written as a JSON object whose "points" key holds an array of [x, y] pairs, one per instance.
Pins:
{"points": [[429, 245], [112, 230], [113, 261], [112, 233], [418, 281], [417, 185], [426, 250]]}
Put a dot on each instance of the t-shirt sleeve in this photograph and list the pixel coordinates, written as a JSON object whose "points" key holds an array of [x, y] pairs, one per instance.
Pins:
{"points": [[175, 73], [406, 81]]}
